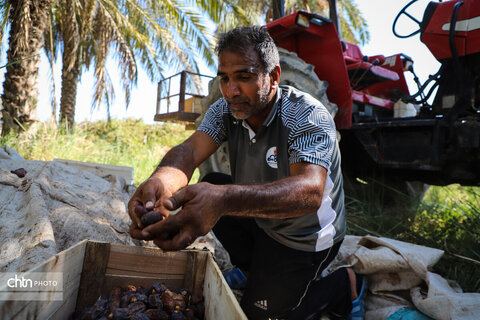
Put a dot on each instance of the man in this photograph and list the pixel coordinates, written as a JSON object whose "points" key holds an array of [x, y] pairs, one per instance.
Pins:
{"points": [[283, 218]]}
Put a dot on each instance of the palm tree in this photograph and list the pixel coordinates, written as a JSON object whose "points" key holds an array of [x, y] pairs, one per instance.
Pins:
{"points": [[28, 20], [156, 34], [85, 30], [352, 25]]}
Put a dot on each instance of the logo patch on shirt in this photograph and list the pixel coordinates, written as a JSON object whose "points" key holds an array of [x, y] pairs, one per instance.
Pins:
{"points": [[262, 304], [271, 157]]}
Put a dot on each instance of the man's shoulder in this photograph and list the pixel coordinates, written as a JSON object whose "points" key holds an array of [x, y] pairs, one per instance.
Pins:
{"points": [[296, 96], [220, 104], [299, 105]]}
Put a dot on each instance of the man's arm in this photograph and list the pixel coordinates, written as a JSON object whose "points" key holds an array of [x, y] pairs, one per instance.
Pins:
{"points": [[203, 204], [173, 173], [296, 195], [177, 166]]}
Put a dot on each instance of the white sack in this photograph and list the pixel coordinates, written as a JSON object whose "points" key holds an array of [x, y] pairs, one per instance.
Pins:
{"points": [[397, 272]]}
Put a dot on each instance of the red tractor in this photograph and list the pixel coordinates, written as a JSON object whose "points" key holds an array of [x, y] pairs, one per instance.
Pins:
{"points": [[387, 133], [383, 127]]}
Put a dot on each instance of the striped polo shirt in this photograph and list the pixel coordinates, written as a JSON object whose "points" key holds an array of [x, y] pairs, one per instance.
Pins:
{"points": [[298, 129]]}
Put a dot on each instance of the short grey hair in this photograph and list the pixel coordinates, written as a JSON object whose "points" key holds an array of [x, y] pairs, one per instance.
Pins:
{"points": [[241, 39]]}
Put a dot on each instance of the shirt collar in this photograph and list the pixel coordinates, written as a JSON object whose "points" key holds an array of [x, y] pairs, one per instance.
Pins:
{"points": [[273, 112]]}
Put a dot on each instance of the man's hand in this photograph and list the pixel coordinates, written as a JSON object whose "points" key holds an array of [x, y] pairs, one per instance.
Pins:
{"points": [[202, 206], [150, 195], [173, 173]]}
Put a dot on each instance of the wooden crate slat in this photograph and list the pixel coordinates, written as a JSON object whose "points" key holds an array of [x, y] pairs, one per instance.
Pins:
{"points": [[93, 274], [151, 275], [70, 263], [224, 304], [148, 251], [63, 309], [150, 261], [194, 274]]}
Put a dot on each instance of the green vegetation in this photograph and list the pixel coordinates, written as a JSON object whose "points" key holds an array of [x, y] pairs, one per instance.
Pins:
{"points": [[447, 218], [126, 143]]}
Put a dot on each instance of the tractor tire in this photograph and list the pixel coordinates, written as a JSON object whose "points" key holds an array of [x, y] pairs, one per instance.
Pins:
{"points": [[219, 161], [299, 74]]}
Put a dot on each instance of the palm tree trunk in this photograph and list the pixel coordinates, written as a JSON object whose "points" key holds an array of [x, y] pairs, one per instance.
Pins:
{"points": [[69, 95], [71, 66], [28, 20]]}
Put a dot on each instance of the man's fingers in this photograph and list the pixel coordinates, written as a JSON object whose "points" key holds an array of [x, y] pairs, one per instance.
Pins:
{"points": [[164, 229], [179, 241], [149, 196], [136, 233], [140, 210], [177, 200], [133, 212]]}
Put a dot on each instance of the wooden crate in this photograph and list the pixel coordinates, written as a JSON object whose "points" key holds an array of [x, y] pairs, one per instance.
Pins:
{"points": [[101, 169], [94, 268]]}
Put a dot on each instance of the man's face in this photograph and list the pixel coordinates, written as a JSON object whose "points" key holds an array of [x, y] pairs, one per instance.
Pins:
{"points": [[244, 84]]}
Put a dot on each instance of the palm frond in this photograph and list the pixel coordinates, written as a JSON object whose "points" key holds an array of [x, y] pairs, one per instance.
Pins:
{"points": [[185, 24], [353, 20], [113, 20], [5, 7]]}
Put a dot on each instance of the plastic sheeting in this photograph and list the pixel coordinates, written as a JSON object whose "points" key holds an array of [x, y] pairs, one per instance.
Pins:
{"points": [[53, 207]]}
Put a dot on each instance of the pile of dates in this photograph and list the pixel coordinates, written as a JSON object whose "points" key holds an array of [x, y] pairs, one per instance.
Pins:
{"points": [[156, 303]]}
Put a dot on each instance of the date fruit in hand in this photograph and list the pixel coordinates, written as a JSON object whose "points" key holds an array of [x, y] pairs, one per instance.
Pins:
{"points": [[151, 217]]}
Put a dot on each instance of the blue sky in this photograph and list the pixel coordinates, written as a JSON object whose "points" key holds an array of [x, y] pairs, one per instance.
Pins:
{"points": [[378, 13]]}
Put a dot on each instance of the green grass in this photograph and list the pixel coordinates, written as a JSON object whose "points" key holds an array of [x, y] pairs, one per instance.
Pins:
{"points": [[119, 142], [447, 218]]}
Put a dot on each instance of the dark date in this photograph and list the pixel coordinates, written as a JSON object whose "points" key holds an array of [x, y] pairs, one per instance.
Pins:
{"points": [[139, 303], [20, 172], [151, 217]]}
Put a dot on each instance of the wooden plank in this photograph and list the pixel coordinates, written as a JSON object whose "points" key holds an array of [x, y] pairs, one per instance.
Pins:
{"points": [[65, 308], [195, 273], [177, 116], [101, 169], [199, 280], [193, 104], [93, 274], [148, 262], [220, 303], [153, 275], [190, 270], [70, 263], [190, 126], [148, 251]]}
